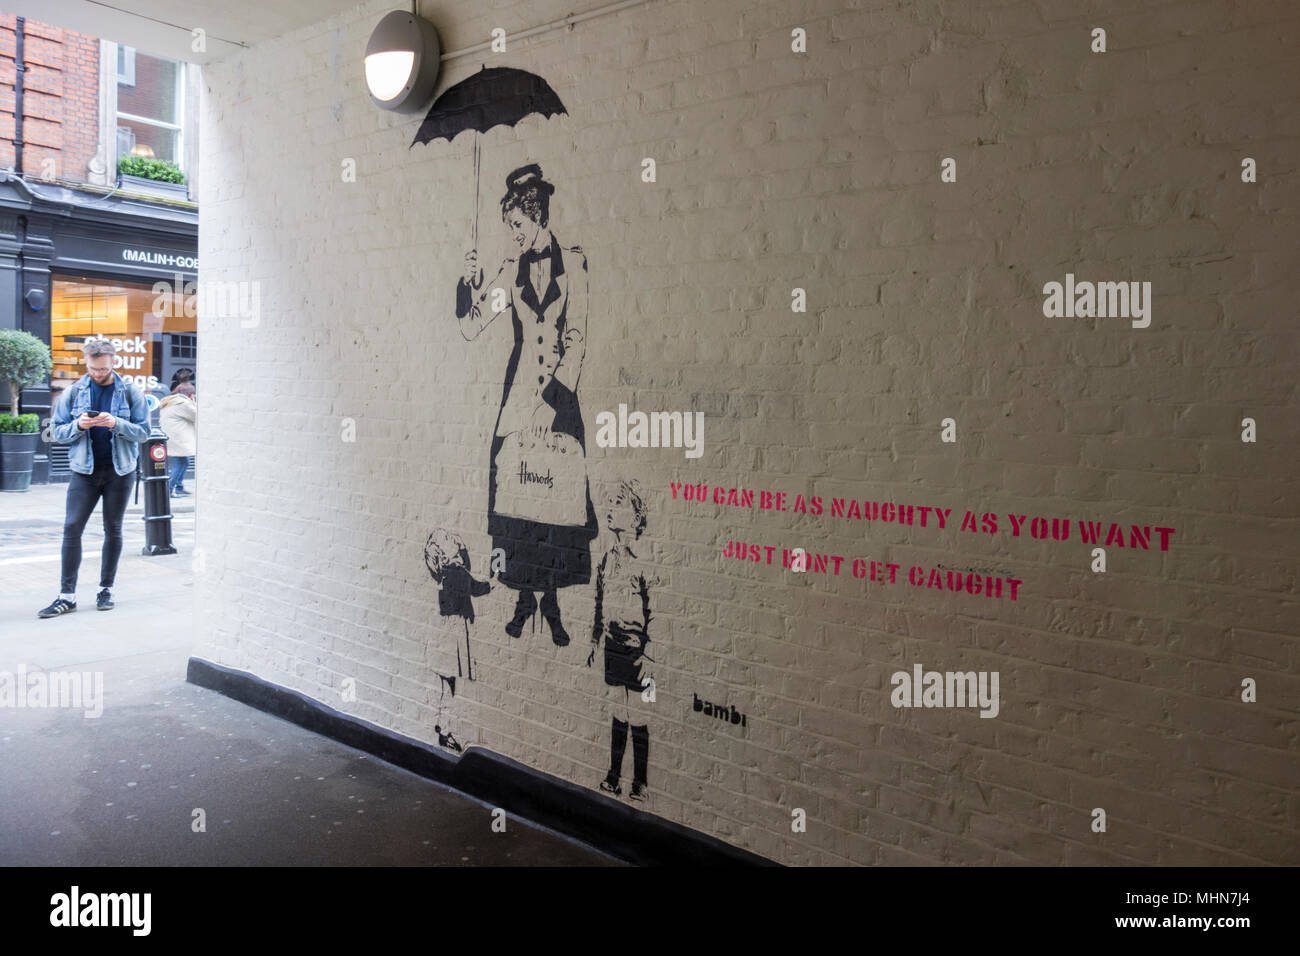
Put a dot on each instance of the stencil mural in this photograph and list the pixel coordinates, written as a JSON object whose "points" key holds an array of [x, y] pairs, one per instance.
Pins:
{"points": [[539, 503], [501, 96], [622, 626], [447, 559], [539, 507], [540, 516]]}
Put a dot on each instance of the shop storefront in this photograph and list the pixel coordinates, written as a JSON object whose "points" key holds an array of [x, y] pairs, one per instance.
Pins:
{"points": [[77, 265]]}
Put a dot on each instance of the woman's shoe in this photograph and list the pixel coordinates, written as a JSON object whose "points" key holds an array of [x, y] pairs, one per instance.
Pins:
{"points": [[524, 609], [551, 611], [610, 785]]}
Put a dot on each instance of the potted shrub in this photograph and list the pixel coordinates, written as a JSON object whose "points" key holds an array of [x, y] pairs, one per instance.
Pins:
{"points": [[24, 360], [153, 177]]}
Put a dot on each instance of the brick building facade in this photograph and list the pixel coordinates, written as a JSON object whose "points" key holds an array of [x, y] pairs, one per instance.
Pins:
{"points": [[60, 101], [80, 249]]}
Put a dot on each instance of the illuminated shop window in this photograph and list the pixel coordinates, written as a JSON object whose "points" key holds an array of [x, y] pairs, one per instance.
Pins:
{"points": [[153, 332]]}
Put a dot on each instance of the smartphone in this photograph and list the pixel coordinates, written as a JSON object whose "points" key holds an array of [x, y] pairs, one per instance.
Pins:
{"points": [[92, 413]]}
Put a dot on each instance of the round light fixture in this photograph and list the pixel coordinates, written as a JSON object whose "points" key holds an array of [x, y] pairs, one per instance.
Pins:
{"points": [[402, 60]]}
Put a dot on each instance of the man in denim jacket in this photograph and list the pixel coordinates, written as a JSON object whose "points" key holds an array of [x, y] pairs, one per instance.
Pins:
{"points": [[105, 448]]}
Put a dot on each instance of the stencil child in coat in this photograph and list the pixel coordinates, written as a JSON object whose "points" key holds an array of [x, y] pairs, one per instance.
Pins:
{"points": [[447, 559], [622, 622]]}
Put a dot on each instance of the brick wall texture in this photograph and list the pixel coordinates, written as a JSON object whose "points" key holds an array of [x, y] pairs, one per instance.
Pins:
{"points": [[1120, 690], [60, 100]]}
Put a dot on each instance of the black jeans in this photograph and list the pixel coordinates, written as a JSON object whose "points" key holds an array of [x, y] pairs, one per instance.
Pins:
{"points": [[84, 492]]}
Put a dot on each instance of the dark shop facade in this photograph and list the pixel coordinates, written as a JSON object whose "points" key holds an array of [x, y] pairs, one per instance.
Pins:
{"points": [[80, 264]]}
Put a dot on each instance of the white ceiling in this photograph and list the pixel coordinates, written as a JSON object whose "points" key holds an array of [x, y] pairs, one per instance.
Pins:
{"points": [[163, 27]]}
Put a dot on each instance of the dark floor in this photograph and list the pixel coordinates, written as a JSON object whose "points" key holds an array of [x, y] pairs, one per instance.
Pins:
{"points": [[123, 788]]}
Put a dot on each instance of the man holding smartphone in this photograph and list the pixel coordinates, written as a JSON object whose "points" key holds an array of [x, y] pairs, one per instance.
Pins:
{"points": [[105, 420]]}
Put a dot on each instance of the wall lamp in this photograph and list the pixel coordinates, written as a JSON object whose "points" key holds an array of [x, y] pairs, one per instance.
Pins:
{"points": [[402, 60]]}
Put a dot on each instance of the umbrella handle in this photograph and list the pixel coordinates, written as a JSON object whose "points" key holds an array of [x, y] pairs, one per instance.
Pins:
{"points": [[476, 181]]}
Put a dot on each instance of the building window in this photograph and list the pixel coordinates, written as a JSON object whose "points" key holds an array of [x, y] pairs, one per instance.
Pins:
{"points": [[125, 65], [185, 347], [150, 107]]}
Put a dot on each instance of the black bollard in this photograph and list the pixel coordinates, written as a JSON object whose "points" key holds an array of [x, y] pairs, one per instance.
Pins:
{"points": [[157, 496]]}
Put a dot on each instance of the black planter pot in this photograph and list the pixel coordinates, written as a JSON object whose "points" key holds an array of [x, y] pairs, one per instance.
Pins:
{"points": [[16, 455]]}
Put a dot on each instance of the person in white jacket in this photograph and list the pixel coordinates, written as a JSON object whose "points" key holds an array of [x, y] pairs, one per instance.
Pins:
{"points": [[177, 417]]}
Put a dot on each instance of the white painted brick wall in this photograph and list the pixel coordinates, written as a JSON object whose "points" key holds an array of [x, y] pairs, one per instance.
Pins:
{"points": [[821, 171]]}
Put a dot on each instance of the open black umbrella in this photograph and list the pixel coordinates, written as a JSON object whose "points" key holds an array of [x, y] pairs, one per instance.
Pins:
{"points": [[491, 97]]}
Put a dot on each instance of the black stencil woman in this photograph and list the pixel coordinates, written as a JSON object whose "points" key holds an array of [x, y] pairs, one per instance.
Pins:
{"points": [[539, 506], [621, 624]]}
